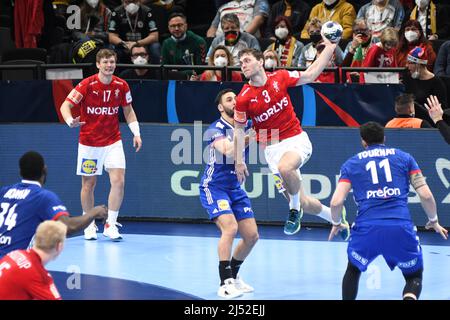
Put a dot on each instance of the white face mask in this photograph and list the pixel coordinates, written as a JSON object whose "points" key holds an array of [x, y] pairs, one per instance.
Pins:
{"points": [[281, 33], [220, 62], [140, 60], [411, 36], [422, 3], [132, 8], [269, 63], [92, 3], [415, 74], [329, 2], [378, 1]]}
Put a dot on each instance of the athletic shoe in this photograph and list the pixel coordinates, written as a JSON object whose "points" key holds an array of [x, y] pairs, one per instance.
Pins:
{"points": [[242, 286], [112, 232], [90, 233], [293, 224], [345, 234], [228, 290]]}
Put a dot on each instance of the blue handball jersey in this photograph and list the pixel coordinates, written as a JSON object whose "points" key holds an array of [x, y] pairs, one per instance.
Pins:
{"points": [[380, 180], [23, 207], [220, 170]]}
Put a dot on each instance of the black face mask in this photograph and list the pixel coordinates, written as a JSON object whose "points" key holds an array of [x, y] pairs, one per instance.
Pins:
{"points": [[315, 37], [231, 37]]}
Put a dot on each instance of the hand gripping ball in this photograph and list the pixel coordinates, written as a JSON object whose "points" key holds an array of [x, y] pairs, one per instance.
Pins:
{"points": [[332, 31]]}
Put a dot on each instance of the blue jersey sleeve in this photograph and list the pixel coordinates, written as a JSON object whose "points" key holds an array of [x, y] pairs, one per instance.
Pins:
{"points": [[413, 167], [53, 207], [344, 176]]}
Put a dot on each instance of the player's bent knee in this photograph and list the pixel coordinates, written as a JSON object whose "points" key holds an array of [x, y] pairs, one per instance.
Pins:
{"points": [[252, 238]]}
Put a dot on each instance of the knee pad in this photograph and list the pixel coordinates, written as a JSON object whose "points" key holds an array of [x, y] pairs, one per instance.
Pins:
{"points": [[413, 284]]}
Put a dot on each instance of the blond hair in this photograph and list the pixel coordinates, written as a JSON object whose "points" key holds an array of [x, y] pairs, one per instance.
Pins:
{"points": [[105, 53], [389, 34], [49, 234]]}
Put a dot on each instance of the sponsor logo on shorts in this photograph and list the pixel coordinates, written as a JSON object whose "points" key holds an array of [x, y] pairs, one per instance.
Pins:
{"points": [[407, 264], [89, 166], [247, 209], [358, 258], [383, 193], [223, 205]]}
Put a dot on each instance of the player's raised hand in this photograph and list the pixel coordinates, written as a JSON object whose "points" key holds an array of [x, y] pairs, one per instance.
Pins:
{"points": [[137, 143], [438, 228], [76, 122], [434, 108], [241, 172]]}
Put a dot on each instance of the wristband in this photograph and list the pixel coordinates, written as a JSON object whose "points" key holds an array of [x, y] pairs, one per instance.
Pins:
{"points": [[336, 224], [69, 121], [134, 127], [434, 220]]}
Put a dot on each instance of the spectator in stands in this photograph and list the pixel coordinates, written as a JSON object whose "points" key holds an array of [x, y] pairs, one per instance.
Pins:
{"points": [[252, 15], [286, 46], [297, 11], [356, 50], [436, 114], [234, 39], [309, 51], [171, 6], [381, 14], [433, 18], [410, 36], [339, 11], [132, 24], [382, 54], [423, 83], [408, 5], [139, 57], [442, 64], [271, 60], [405, 114], [184, 47], [220, 57], [95, 18]]}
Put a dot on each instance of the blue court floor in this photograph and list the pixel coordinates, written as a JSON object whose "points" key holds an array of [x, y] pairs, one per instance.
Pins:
{"points": [[173, 261]]}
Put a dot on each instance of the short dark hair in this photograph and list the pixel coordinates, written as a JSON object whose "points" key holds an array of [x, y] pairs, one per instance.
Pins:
{"points": [[176, 14], [220, 95], [256, 53], [31, 166], [403, 101], [372, 132]]}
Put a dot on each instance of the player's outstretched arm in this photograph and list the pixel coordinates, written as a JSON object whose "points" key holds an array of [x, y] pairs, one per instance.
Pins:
{"points": [[67, 115], [428, 203], [78, 223], [133, 124], [316, 68], [337, 202], [239, 146]]}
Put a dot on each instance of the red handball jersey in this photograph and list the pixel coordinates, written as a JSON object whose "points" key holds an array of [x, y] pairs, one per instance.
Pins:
{"points": [[270, 107], [99, 108], [23, 277]]}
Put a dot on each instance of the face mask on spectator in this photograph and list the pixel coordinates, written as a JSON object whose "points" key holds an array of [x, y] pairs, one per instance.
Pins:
{"points": [[220, 62], [231, 38], [132, 8], [422, 3], [281, 33], [269, 63], [411, 36], [140, 60], [329, 2], [378, 1], [92, 3]]}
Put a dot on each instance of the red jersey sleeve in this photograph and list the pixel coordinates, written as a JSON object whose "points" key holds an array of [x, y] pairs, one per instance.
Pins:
{"points": [[42, 287], [240, 110], [289, 78], [78, 93], [126, 94]]}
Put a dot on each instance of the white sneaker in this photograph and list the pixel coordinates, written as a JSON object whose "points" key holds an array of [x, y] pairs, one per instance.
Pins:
{"points": [[242, 286], [228, 290], [90, 233], [112, 232]]}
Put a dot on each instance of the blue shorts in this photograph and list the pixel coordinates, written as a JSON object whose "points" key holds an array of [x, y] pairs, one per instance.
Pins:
{"points": [[398, 244], [219, 201]]}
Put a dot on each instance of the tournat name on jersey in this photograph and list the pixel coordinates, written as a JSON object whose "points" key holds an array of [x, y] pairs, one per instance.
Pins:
{"points": [[272, 110], [103, 110], [376, 153]]}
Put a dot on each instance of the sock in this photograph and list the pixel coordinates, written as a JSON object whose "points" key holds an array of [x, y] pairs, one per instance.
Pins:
{"points": [[235, 265], [112, 217], [294, 202], [325, 213], [224, 271]]}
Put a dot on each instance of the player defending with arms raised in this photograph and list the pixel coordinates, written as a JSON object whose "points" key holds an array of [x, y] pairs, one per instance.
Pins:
{"points": [[380, 178], [287, 147], [226, 202], [100, 144]]}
